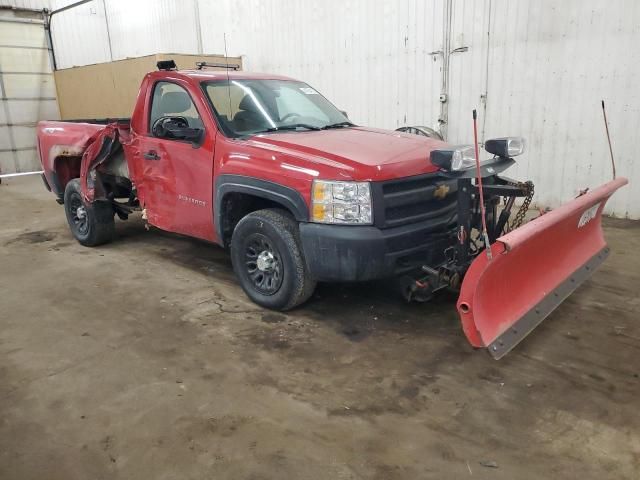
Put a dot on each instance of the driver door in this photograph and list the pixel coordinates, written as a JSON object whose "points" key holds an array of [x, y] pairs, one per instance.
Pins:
{"points": [[176, 191]]}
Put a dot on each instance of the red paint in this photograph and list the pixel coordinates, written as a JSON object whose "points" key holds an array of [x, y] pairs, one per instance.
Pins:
{"points": [[177, 190], [528, 264]]}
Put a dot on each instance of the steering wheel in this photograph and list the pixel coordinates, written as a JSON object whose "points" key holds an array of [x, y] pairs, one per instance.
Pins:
{"points": [[161, 128], [291, 114]]}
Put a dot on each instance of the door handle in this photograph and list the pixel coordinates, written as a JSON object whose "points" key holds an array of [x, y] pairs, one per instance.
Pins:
{"points": [[151, 155]]}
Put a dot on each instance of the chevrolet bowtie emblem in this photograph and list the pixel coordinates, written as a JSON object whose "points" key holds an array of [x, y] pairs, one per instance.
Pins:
{"points": [[441, 191]]}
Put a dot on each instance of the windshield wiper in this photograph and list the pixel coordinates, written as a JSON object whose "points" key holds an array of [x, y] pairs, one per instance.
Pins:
{"points": [[292, 127], [338, 125]]}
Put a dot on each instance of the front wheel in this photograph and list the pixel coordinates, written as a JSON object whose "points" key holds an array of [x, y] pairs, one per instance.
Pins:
{"points": [[267, 259], [92, 224]]}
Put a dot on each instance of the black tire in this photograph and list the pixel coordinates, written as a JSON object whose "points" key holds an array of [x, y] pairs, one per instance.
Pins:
{"points": [[266, 244], [94, 224]]}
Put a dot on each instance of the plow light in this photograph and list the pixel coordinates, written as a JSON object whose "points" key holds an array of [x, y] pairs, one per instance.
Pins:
{"points": [[506, 146], [457, 158], [462, 157]]}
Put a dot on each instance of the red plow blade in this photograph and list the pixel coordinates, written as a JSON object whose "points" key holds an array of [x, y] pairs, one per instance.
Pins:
{"points": [[533, 270]]}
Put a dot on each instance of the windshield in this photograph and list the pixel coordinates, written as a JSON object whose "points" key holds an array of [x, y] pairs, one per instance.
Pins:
{"points": [[245, 107]]}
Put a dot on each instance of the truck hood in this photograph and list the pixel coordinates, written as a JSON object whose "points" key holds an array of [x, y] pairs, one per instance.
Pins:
{"points": [[357, 153]]}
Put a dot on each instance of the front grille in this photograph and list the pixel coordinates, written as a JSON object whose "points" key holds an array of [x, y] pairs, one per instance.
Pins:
{"points": [[424, 198]]}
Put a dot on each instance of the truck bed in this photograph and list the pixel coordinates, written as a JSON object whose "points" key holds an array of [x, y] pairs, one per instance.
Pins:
{"points": [[62, 143]]}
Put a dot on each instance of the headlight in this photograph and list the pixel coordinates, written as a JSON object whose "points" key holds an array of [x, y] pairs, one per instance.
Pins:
{"points": [[506, 146], [457, 158], [341, 202]]}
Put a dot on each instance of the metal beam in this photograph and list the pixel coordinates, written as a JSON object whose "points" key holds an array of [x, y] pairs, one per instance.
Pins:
{"points": [[20, 20], [106, 24], [22, 99], [7, 116], [24, 73], [19, 124], [24, 46], [48, 17], [68, 7], [9, 175], [18, 149]]}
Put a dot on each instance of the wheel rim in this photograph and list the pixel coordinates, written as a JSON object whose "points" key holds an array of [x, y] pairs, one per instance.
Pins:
{"points": [[263, 264], [78, 214]]}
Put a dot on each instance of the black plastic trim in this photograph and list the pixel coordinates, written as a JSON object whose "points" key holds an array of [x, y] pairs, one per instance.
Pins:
{"points": [[487, 169], [287, 197], [46, 184], [411, 193], [56, 187], [360, 253]]}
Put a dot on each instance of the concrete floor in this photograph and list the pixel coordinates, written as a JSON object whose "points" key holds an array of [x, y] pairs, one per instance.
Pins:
{"points": [[143, 359]]}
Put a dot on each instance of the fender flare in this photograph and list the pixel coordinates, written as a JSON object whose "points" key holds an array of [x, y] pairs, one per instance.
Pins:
{"points": [[288, 197]]}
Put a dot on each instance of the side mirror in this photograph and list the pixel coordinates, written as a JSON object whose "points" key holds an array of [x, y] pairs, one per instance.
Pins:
{"points": [[187, 133], [344, 113], [177, 128]]}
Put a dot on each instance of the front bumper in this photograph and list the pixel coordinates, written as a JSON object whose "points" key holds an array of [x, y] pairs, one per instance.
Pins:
{"points": [[347, 253]]}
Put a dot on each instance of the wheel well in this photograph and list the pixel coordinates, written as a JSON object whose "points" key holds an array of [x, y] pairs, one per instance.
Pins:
{"points": [[66, 168], [235, 206]]}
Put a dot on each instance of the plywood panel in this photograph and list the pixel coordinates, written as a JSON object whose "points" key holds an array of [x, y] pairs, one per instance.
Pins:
{"points": [[110, 89]]}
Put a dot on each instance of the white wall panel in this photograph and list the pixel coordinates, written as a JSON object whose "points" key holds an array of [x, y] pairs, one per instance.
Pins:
{"points": [[25, 161], [27, 86], [537, 68], [80, 35], [27, 92], [143, 27], [371, 58], [23, 136], [23, 60], [29, 111], [548, 66]]}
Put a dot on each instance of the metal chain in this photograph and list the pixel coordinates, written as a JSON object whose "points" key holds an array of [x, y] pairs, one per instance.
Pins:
{"points": [[522, 211]]}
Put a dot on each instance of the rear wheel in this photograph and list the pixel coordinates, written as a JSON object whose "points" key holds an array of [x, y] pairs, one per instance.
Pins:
{"points": [[268, 260], [92, 224]]}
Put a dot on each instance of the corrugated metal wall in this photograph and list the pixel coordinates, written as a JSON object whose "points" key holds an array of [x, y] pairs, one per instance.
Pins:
{"points": [[372, 59], [544, 66], [537, 68], [27, 88]]}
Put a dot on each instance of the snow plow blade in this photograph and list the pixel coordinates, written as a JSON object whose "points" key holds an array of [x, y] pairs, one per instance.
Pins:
{"points": [[533, 270]]}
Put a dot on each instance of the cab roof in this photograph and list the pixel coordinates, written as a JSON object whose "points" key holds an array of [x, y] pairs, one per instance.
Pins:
{"points": [[204, 75]]}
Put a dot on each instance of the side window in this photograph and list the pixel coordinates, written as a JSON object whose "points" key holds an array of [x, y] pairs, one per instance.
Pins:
{"points": [[171, 100]]}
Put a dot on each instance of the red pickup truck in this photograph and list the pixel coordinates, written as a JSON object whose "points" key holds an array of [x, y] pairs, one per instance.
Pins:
{"points": [[266, 166]]}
